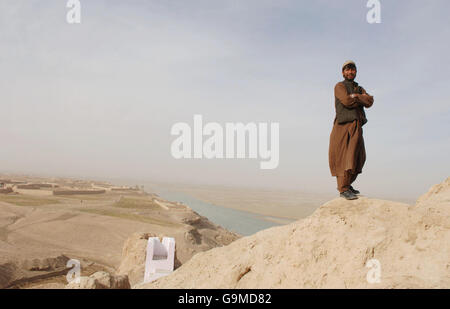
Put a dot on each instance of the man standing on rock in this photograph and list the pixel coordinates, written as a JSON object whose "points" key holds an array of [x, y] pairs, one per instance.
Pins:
{"points": [[347, 153]]}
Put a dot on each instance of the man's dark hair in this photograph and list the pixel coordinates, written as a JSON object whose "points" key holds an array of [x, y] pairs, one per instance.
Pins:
{"points": [[349, 66]]}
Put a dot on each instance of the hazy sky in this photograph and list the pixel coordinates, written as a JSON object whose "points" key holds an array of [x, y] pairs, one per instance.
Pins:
{"points": [[98, 99]]}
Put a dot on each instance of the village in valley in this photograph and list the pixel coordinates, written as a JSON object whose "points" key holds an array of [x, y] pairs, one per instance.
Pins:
{"points": [[59, 186]]}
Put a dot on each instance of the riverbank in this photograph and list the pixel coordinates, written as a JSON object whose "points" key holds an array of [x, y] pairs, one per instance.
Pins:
{"points": [[241, 210]]}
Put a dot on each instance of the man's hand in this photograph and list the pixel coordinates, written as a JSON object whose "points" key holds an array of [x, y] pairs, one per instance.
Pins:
{"points": [[365, 99]]}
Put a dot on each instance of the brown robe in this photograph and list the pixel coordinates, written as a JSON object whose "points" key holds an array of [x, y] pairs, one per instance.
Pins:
{"points": [[347, 153]]}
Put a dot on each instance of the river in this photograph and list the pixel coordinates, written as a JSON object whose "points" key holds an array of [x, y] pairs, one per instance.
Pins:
{"points": [[241, 222]]}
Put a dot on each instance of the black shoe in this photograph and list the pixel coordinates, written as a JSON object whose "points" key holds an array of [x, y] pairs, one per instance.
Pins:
{"points": [[353, 190], [349, 195]]}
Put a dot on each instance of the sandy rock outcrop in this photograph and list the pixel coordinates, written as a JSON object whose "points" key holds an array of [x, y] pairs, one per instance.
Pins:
{"points": [[338, 246], [199, 235], [45, 264], [100, 280], [133, 257], [25, 270]]}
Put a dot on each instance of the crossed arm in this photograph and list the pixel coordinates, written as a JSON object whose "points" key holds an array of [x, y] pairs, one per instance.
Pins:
{"points": [[353, 100]]}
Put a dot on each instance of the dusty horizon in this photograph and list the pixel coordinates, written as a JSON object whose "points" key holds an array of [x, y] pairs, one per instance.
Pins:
{"points": [[185, 186]]}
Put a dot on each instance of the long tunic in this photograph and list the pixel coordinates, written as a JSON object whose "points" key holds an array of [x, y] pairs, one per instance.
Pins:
{"points": [[347, 151]]}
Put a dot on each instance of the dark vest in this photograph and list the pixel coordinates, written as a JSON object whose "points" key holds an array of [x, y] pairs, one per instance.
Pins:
{"points": [[345, 114]]}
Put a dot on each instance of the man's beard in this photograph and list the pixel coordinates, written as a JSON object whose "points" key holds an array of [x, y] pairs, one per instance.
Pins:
{"points": [[347, 77]]}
